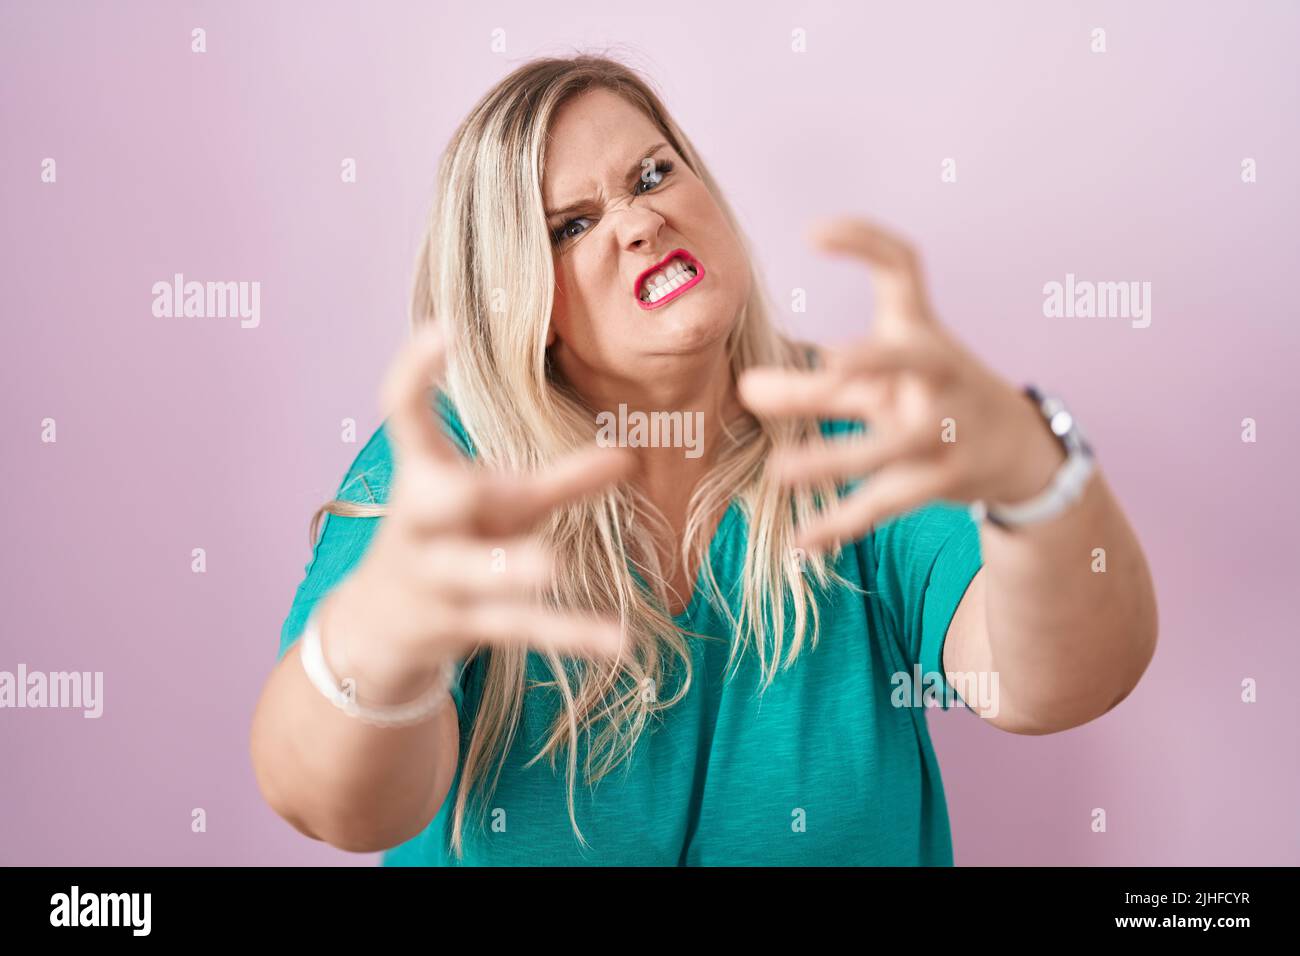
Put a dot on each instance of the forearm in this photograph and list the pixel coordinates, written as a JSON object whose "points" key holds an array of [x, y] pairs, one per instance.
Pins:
{"points": [[1071, 611], [338, 779]]}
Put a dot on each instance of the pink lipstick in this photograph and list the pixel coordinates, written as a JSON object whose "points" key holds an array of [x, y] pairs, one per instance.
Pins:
{"points": [[678, 271]]}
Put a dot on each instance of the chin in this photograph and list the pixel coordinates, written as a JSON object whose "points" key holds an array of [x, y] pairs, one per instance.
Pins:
{"points": [[693, 323], [695, 328]]}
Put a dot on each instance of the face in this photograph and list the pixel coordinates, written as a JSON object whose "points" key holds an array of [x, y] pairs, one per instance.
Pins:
{"points": [[634, 202]]}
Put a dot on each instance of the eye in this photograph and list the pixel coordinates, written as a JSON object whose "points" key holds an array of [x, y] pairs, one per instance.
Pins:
{"points": [[655, 174], [652, 175], [562, 233]]}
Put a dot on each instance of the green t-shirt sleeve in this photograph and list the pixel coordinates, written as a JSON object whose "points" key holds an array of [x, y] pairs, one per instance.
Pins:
{"points": [[918, 566], [342, 540], [924, 562]]}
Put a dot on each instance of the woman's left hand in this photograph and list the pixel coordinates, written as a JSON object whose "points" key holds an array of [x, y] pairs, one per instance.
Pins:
{"points": [[941, 424]]}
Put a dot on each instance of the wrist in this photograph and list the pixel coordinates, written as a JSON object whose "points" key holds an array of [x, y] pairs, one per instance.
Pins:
{"points": [[1037, 459], [381, 675], [1075, 467]]}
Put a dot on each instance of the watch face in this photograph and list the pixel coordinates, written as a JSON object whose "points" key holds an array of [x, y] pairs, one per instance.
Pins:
{"points": [[1075, 437], [1060, 420], [1064, 425]]}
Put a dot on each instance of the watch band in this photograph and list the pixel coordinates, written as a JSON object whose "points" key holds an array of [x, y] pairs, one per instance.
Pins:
{"points": [[389, 715], [1066, 486]]}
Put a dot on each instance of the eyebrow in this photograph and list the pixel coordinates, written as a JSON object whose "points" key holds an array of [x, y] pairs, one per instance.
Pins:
{"points": [[632, 175]]}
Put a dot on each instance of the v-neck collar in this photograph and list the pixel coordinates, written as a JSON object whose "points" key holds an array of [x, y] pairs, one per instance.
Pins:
{"points": [[715, 545]]}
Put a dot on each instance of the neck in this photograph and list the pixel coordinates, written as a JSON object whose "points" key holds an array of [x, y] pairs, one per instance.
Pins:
{"points": [[696, 386], [697, 390]]}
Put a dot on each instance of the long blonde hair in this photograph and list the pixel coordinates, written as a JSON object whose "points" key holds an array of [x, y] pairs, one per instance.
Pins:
{"points": [[487, 239]]}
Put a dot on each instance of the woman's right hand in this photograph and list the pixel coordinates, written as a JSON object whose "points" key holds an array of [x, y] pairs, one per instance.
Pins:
{"points": [[455, 562]]}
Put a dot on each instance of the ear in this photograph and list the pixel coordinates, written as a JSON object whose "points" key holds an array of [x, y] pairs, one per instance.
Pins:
{"points": [[550, 334]]}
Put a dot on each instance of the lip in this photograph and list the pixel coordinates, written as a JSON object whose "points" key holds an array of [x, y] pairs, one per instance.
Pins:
{"points": [[680, 290]]}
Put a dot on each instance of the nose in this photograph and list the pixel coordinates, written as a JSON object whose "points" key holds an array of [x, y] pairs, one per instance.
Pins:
{"points": [[637, 227]]}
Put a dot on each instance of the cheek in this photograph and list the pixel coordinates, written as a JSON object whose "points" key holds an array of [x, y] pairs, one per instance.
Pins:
{"points": [[578, 293], [706, 213], [568, 312], [565, 294]]}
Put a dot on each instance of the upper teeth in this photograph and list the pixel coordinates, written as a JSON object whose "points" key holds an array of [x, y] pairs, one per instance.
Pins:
{"points": [[659, 284]]}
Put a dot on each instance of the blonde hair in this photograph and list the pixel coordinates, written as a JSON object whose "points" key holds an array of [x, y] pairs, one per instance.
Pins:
{"points": [[488, 237]]}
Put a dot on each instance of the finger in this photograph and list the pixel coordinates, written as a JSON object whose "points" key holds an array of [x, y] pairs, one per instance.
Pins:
{"points": [[516, 503], [405, 398], [891, 491], [778, 392], [429, 497], [895, 268], [850, 458], [477, 570], [541, 628]]}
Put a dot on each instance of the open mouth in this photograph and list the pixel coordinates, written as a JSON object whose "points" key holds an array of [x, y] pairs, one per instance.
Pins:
{"points": [[660, 284]]}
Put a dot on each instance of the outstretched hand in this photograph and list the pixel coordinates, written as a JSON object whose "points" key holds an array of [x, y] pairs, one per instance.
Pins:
{"points": [[456, 563], [942, 425]]}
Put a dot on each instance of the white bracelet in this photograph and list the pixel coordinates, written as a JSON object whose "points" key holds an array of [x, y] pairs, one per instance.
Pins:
{"points": [[394, 715]]}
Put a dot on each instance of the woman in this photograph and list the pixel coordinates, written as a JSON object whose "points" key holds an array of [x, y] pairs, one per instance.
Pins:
{"points": [[637, 655]]}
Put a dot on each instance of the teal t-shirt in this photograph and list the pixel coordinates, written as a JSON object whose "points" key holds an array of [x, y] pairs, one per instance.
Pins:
{"points": [[823, 769]]}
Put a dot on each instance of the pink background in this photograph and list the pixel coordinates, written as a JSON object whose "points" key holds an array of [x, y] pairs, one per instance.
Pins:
{"points": [[183, 433]]}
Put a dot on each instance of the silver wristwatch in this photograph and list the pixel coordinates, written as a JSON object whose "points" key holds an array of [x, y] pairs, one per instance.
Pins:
{"points": [[1067, 484]]}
